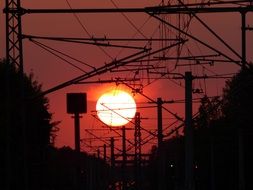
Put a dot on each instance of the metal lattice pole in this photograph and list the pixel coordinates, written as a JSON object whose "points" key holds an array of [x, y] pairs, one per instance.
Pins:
{"points": [[137, 137], [14, 47], [14, 55]]}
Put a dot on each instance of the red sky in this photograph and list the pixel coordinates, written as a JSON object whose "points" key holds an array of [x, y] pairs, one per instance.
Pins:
{"points": [[51, 71]]}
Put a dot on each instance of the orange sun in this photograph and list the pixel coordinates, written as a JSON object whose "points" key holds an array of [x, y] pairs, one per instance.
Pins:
{"points": [[116, 108]]}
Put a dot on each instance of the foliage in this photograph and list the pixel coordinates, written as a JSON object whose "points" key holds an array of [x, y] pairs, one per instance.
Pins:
{"points": [[25, 123], [209, 111], [223, 133], [237, 99], [28, 158]]}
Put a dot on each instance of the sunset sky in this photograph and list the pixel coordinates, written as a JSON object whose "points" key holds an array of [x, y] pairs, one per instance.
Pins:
{"points": [[51, 71]]}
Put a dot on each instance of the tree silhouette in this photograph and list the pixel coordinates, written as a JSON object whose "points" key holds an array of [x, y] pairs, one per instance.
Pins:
{"points": [[26, 130], [238, 99], [237, 108], [223, 134]]}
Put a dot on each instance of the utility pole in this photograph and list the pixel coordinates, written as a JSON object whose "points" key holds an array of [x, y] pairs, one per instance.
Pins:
{"points": [[98, 153], [7, 122], [104, 152], [137, 136], [14, 56], [14, 45], [189, 157], [159, 122], [243, 30], [161, 163], [124, 158], [77, 132], [240, 130], [76, 104], [77, 149], [112, 153], [112, 163]]}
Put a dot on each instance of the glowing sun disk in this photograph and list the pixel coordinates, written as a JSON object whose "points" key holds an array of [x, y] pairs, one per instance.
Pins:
{"points": [[116, 108]]}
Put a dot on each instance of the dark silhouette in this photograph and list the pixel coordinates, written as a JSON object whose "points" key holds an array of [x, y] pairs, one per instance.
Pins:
{"points": [[223, 134], [61, 170], [237, 109], [23, 146], [222, 143], [28, 158]]}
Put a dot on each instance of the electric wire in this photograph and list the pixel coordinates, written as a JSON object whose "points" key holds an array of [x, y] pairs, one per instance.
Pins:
{"points": [[86, 30], [52, 51], [129, 21]]}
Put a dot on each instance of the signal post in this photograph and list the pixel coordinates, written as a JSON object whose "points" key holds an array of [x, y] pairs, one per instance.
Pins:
{"points": [[77, 104]]}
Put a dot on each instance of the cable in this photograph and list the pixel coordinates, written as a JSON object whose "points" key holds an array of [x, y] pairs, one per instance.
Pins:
{"points": [[51, 50], [86, 31], [130, 22]]}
